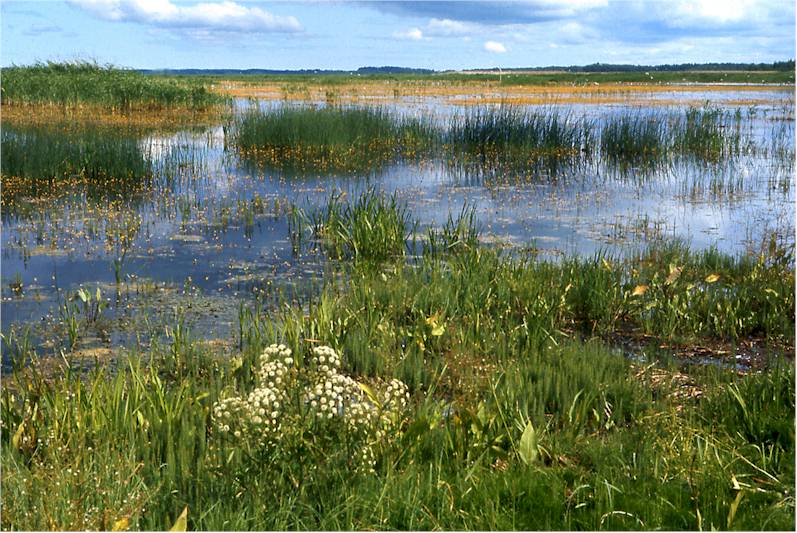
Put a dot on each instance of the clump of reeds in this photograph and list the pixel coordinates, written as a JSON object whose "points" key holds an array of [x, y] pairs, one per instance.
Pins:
{"points": [[81, 82], [40, 161], [706, 134], [328, 138], [373, 227], [490, 131]]}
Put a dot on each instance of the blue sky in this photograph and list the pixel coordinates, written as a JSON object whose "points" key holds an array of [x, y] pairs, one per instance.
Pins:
{"points": [[438, 35]]}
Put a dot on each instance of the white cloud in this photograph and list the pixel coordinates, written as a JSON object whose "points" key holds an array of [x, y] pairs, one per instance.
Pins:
{"points": [[448, 27], [413, 34], [720, 11], [494, 47], [214, 16]]}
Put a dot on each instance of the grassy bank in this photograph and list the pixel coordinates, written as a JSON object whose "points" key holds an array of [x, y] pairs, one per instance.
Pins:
{"points": [[82, 83], [521, 412]]}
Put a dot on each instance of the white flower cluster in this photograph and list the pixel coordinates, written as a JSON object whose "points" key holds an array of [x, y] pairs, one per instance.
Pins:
{"points": [[259, 414], [331, 398]]}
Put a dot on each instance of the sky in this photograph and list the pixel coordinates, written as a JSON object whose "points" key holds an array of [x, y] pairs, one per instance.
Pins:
{"points": [[346, 35]]}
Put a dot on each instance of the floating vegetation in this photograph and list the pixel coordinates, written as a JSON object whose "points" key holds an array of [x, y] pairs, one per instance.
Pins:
{"points": [[85, 83]]}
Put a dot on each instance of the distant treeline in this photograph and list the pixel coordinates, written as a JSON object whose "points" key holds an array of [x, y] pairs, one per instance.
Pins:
{"points": [[595, 67], [300, 72], [607, 67]]}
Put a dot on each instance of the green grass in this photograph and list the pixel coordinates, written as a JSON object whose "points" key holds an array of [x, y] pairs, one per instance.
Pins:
{"points": [[488, 131], [563, 435], [374, 227], [80, 83], [705, 134], [328, 138], [40, 162], [346, 139]]}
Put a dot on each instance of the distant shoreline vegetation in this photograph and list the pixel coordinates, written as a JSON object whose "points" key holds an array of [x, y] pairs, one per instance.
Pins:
{"points": [[592, 68]]}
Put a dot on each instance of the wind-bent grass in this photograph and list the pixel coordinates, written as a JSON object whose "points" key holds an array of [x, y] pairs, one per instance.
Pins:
{"points": [[81, 82], [329, 138]]}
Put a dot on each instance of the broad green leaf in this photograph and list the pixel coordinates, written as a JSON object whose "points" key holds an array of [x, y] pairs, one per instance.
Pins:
{"points": [[527, 449], [181, 524]]}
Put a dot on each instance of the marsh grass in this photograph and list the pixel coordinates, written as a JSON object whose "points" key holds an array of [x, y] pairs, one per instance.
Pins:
{"points": [[373, 227], [555, 434], [85, 83], [38, 162], [328, 138], [507, 130], [703, 134]]}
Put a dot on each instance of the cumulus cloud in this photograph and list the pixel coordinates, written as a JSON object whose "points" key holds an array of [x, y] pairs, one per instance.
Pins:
{"points": [[413, 34], [223, 16], [494, 47], [448, 27], [492, 12]]}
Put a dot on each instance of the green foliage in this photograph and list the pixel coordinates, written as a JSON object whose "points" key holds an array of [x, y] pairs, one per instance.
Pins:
{"points": [[372, 227], [705, 133], [327, 138], [489, 131], [81, 82]]}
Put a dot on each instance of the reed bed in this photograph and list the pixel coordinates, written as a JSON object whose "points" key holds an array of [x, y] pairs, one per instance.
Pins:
{"points": [[328, 138], [363, 139], [84, 83], [43, 162], [508, 130], [704, 134]]}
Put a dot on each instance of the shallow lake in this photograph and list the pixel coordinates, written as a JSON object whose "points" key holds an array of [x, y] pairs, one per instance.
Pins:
{"points": [[215, 230]]}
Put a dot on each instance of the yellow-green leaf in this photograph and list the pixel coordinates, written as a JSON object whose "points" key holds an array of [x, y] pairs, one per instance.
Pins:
{"points": [[121, 525], [527, 449], [734, 507], [675, 272], [16, 440], [369, 392], [181, 524], [639, 290], [712, 278], [438, 330]]}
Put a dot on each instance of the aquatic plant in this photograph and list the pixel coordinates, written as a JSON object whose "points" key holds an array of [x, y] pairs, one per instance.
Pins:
{"points": [[327, 138], [82, 82]]}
